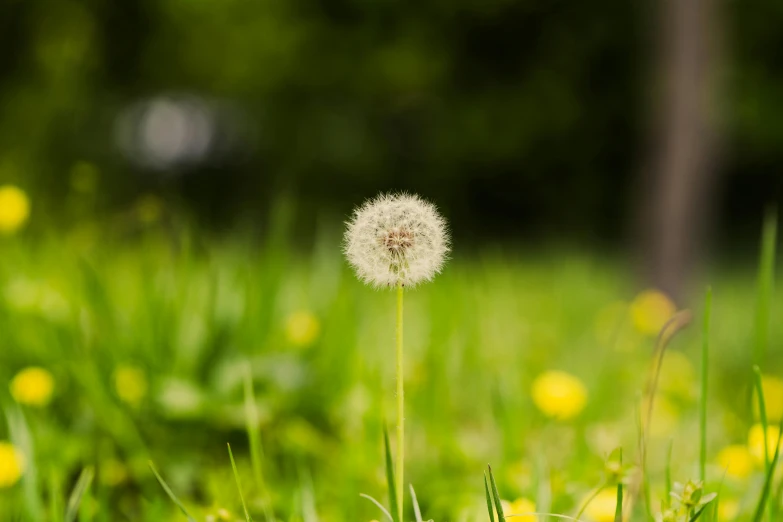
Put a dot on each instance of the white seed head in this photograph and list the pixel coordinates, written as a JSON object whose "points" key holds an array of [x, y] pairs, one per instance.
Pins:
{"points": [[396, 239]]}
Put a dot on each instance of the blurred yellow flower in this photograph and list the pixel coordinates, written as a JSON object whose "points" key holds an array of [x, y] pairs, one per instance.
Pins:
{"points": [[650, 310], [665, 416], [559, 394], [130, 383], [773, 399], [14, 208], [728, 509], [302, 328], [756, 441], [12, 464], [602, 507], [736, 460], [520, 506], [32, 386]]}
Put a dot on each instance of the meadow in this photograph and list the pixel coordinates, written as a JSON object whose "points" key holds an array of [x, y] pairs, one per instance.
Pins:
{"points": [[151, 341]]}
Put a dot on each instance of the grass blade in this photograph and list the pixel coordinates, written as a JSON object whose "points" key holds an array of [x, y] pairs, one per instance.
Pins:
{"points": [[496, 496], [82, 484], [766, 277], [416, 508], [254, 438], [239, 486], [759, 514], [667, 497], [696, 515], [170, 493], [390, 474], [618, 510], [489, 500], [762, 412], [705, 346], [378, 504]]}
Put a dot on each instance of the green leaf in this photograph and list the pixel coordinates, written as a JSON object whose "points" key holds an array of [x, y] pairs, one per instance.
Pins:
{"points": [[390, 474], [489, 499], [170, 493], [82, 484], [239, 486], [496, 496], [618, 511]]}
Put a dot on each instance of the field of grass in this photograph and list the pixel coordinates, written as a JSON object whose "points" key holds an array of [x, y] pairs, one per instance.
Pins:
{"points": [[115, 353]]}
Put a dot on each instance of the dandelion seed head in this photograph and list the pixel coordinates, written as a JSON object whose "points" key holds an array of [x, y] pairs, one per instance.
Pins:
{"points": [[396, 239]]}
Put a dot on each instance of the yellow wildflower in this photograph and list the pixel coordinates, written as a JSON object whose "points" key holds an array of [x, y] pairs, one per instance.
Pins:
{"points": [[728, 509], [559, 394], [32, 386], [773, 398], [130, 383], [650, 310], [602, 507], [302, 328], [12, 464], [14, 209], [520, 506], [756, 441], [736, 460]]}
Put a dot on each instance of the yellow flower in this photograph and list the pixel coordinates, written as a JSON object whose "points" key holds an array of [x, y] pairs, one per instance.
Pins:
{"points": [[12, 464], [130, 383], [559, 394], [14, 209], [520, 506], [756, 441], [650, 310], [603, 506], [32, 386], [773, 399], [736, 460], [302, 328], [728, 509]]}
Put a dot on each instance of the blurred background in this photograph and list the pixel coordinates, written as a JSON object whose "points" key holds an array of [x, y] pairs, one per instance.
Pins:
{"points": [[175, 175]]}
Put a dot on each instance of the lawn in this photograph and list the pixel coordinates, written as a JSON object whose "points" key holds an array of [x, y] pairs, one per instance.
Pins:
{"points": [[132, 344]]}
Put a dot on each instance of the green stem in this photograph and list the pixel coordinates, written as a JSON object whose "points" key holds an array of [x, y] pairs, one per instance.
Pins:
{"points": [[400, 408], [705, 348]]}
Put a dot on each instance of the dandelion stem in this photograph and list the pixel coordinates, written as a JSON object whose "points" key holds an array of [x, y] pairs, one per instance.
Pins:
{"points": [[400, 408]]}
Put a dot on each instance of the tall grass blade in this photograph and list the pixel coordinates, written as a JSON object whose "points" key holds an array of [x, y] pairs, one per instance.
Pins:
{"points": [[759, 514], [390, 474], [75, 499], [489, 499], [496, 495], [415, 502], [254, 438], [758, 383], [766, 277], [378, 504], [705, 347], [618, 510], [696, 515], [667, 498], [170, 493], [239, 485]]}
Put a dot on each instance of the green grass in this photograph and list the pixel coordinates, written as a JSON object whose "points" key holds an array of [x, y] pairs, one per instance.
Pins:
{"points": [[205, 321]]}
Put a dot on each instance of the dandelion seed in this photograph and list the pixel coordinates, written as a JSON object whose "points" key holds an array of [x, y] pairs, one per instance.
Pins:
{"points": [[14, 209], [396, 239], [12, 465], [33, 386], [559, 395]]}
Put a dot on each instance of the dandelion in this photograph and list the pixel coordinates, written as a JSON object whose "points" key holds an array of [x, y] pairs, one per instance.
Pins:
{"points": [[33, 386], [12, 464], [736, 460], [756, 442], [302, 328], [650, 310], [773, 398], [559, 395], [603, 505], [728, 509], [14, 209], [520, 506], [130, 384], [397, 240]]}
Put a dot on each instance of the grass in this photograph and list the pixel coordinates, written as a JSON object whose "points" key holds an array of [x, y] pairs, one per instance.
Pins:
{"points": [[207, 323]]}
